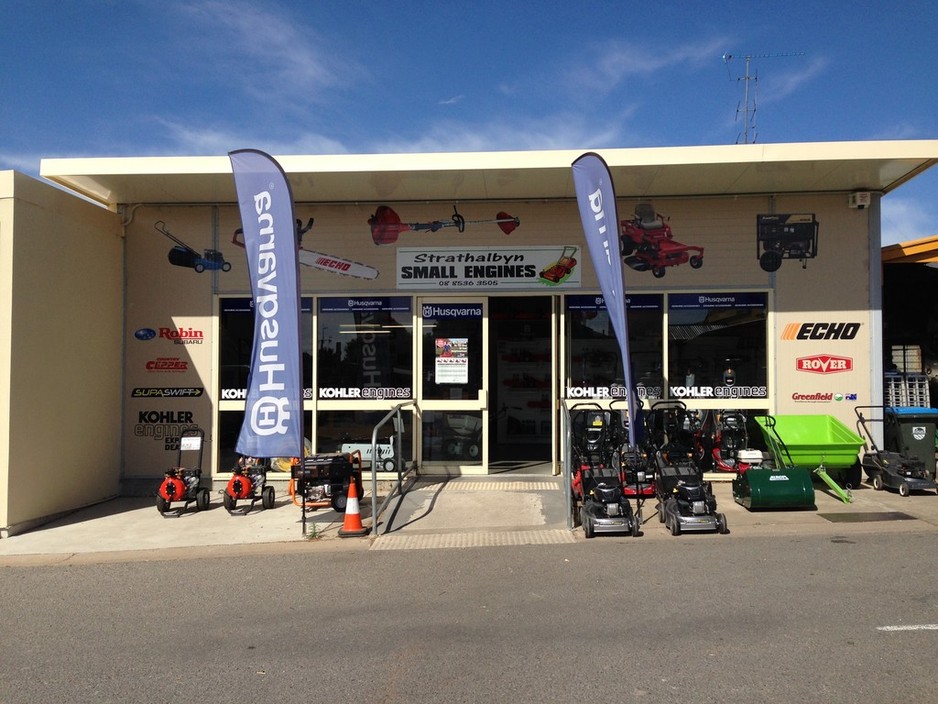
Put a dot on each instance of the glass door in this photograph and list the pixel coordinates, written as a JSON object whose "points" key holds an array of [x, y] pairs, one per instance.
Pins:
{"points": [[453, 389]]}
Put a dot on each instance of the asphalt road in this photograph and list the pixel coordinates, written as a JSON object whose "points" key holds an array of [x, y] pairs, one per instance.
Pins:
{"points": [[698, 618]]}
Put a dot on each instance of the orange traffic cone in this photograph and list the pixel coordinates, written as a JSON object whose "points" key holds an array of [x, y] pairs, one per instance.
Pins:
{"points": [[352, 526]]}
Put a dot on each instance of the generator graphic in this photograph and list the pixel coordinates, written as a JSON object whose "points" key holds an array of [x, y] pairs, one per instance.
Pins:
{"points": [[785, 236]]}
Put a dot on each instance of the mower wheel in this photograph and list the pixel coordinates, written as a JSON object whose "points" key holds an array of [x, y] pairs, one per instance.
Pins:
{"points": [[878, 482], [904, 489], [162, 504], [575, 511], [267, 497], [230, 502], [588, 529], [636, 527], [658, 272], [722, 527], [660, 508], [696, 261], [675, 526], [202, 499]]}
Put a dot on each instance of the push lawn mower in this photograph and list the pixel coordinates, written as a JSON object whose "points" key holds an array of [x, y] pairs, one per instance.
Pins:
{"points": [[248, 483], [888, 469], [181, 482], [598, 480], [721, 444], [647, 243], [685, 501]]}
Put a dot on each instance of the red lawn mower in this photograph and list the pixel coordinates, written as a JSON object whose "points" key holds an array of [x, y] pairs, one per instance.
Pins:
{"points": [[721, 443], [648, 244]]}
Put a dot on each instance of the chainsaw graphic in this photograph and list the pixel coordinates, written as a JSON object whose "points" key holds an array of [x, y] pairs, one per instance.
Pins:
{"points": [[318, 260]]}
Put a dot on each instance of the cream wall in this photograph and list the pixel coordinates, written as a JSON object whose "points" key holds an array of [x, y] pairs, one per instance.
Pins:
{"points": [[163, 296], [61, 324]]}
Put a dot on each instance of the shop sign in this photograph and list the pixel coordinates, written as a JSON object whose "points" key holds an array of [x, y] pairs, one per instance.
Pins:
{"points": [[614, 391], [593, 304], [183, 336], [722, 392], [167, 364], [824, 364], [167, 392], [366, 304], [164, 426], [709, 301], [822, 397], [487, 268], [820, 331], [367, 392]]}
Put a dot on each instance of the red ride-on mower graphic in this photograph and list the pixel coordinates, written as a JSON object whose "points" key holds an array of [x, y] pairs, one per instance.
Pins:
{"points": [[647, 243]]}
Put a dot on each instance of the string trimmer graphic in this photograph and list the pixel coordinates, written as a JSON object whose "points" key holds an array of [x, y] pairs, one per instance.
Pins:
{"points": [[317, 260], [386, 225]]}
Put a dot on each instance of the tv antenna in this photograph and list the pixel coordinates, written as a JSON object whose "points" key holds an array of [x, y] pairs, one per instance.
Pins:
{"points": [[749, 124]]}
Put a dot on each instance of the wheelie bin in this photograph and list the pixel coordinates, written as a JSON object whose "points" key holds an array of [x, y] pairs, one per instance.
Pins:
{"points": [[910, 431]]}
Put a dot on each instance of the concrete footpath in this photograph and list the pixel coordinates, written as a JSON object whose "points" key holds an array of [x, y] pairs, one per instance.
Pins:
{"points": [[435, 513]]}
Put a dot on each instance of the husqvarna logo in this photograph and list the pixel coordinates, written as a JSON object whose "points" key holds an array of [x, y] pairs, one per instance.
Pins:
{"points": [[824, 364], [820, 331]]}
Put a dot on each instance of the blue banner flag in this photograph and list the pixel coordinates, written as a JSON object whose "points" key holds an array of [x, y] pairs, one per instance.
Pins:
{"points": [[596, 198], [273, 414]]}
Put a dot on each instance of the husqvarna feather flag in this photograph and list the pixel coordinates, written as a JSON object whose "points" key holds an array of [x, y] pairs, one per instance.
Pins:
{"points": [[273, 414], [596, 198]]}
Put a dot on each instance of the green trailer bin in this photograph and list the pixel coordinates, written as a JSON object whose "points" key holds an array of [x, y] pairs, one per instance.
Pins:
{"points": [[812, 443], [910, 431]]}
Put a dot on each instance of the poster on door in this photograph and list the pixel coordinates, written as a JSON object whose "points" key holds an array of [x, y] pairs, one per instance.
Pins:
{"points": [[452, 360]]}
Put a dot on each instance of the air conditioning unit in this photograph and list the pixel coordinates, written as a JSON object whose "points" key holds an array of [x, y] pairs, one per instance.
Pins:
{"points": [[859, 200]]}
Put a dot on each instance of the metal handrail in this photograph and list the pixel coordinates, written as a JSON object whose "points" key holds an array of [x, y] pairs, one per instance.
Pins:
{"points": [[399, 488]]}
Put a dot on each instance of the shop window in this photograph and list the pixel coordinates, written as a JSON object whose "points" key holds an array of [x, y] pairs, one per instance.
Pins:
{"points": [[717, 345], [236, 337], [364, 349], [229, 427], [594, 362], [452, 351], [351, 431], [452, 436]]}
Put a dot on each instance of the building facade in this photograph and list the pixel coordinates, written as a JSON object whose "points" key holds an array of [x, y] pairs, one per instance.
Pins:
{"points": [[458, 286]]}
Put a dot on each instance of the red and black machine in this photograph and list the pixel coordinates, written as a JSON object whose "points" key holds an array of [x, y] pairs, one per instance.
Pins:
{"points": [[322, 480], [248, 483], [182, 482], [648, 244]]}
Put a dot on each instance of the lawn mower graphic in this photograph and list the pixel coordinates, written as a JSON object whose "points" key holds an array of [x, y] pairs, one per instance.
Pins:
{"points": [[791, 236], [386, 225], [184, 255], [647, 243]]}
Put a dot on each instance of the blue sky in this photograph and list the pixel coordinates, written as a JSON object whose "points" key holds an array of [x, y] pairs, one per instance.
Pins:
{"points": [[203, 77]]}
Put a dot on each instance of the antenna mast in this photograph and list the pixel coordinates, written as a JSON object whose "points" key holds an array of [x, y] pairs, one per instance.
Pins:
{"points": [[748, 77]]}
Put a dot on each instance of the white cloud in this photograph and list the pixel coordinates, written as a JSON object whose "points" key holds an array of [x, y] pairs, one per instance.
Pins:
{"points": [[555, 132], [210, 140], [905, 219]]}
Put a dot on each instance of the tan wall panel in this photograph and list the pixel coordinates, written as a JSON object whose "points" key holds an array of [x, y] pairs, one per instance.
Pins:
{"points": [[65, 353]]}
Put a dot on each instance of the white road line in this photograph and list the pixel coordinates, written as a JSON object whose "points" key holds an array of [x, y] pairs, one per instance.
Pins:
{"points": [[911, 627]]}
